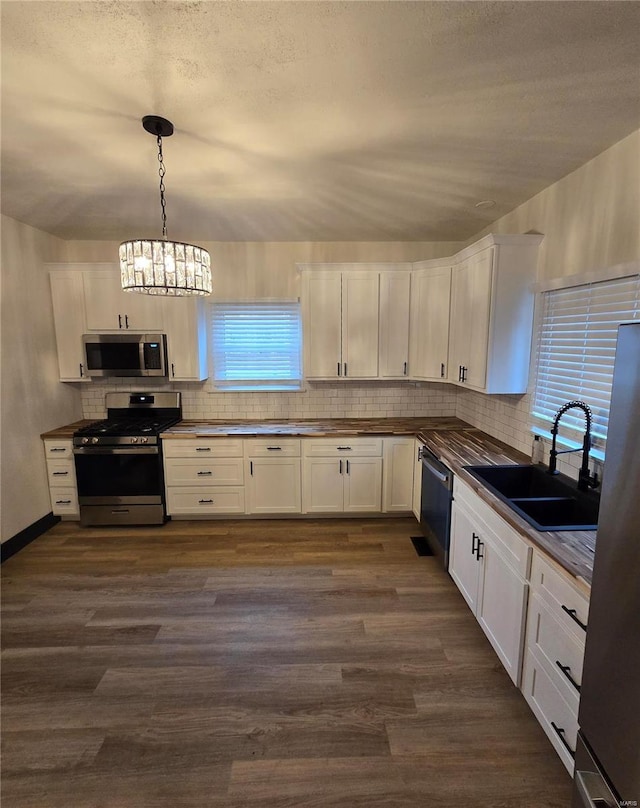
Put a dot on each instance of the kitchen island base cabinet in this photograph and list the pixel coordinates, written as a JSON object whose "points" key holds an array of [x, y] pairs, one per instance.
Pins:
{"points": [[489, 563]]}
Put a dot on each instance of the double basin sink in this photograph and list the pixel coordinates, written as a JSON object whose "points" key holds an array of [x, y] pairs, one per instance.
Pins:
{"points": [[547, 502]]}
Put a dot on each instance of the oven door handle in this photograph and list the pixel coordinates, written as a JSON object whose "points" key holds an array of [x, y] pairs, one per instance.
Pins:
{"points": [[110, 450]]}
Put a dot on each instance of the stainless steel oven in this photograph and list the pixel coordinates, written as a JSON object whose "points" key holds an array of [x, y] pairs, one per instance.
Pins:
{"points": [[119, 463], [435, 506]]}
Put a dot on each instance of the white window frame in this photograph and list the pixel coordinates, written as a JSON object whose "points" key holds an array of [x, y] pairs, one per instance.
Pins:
{"points": [[571, 436], [219, 379]]}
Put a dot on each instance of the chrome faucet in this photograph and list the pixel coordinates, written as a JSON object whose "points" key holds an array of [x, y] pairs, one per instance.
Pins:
{"points": [[586, 480]]}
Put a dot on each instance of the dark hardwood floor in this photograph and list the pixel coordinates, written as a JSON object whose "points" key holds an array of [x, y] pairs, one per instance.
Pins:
{"points": [[257, 663]]}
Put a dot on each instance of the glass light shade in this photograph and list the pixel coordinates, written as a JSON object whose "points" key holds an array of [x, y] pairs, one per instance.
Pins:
{"points": [[157, 267]]}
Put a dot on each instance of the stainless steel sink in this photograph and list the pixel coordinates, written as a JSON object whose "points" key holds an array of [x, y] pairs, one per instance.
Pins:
{"points": [[547, 502]]}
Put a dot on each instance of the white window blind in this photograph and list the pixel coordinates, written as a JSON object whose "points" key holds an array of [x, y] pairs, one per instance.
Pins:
{"points": [[576, 351], [256, 346]]}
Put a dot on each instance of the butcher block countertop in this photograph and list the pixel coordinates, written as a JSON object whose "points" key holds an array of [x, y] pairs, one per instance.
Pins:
{"points": [[452, 440], [311, 428]]}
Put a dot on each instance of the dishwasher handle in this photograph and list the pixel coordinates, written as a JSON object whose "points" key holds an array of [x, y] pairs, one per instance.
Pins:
{"points": [[431, 464]]}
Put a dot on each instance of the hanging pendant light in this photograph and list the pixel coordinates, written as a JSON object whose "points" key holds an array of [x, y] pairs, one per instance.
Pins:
{"points": [[163, 267]]}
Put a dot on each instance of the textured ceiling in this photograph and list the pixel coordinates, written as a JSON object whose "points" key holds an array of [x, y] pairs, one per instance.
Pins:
{"points": [[306, 120]]}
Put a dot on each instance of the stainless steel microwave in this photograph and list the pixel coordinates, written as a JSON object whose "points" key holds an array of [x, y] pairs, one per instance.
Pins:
{"points": [[125, 354]]}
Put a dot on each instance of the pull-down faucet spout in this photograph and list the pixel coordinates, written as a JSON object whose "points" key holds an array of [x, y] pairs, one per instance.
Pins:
{"points": [[586, 480]]}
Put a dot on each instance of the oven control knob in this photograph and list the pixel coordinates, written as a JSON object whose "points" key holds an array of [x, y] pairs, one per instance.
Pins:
{"points": [[85, 440], [95, 440], [134, 440], [144, 440]]}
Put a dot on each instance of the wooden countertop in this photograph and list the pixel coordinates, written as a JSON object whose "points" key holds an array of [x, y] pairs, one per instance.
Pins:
{"points": [[455, 442], [572, 549], [311, 428]]}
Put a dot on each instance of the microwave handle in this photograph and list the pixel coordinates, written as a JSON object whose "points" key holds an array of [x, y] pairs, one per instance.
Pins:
{"points": [[141, 350]]}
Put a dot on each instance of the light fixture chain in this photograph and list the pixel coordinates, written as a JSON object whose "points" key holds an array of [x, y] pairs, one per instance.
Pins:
{"points": [[163, 204]]}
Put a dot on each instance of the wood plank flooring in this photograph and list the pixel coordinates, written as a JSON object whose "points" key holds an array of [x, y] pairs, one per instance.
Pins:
{"points": [[279, 664]]}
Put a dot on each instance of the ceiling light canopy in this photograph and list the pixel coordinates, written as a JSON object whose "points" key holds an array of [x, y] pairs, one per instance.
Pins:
{"points": [[160, 266]]}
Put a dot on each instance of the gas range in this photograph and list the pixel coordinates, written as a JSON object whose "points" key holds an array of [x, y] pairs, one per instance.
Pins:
{"points": [[134, 419], [118, 460]]}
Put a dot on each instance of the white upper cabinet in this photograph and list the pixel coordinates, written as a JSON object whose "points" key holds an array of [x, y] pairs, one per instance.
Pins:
{"points": [[108, 308], [340, 322], [67, 295], [430, 292], [88, 298], [185, 323], [491, 320], [395, 294]]}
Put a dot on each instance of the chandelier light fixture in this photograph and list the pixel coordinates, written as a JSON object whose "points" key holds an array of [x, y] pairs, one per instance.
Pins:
{"points": [[163, 267]]}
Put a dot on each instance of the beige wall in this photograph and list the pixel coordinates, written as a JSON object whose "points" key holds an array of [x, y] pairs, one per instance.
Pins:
{"points": [[32, 399], [255, 270], [590, 221]]}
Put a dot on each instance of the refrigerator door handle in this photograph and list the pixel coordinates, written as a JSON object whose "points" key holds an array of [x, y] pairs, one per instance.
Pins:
{"points": [[593, 791]]}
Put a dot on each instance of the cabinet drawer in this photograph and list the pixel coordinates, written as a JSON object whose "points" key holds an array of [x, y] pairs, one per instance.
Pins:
{"points": [[205, 500], [274, 447], [58, 449], [554, 714], [569, 606], [61, 472], [342, 447], [210, 447], [560, 650], [203, 471], [64, 500]]}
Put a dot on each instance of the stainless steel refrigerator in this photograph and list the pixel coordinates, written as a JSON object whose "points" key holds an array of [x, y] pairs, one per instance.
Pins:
{"points": [[607, 771]]}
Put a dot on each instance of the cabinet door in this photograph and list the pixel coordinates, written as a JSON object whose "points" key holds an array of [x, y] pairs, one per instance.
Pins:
{"points": [[417, 479], [108, 308], [67, 294], [459, 327], [397, 481], [323, 485], [360, 296], [362, 484], [430, 299], [463, 564], [479, 299], [321, 311], [501, 608], [185, 326], [273, 485], [395, 293]]}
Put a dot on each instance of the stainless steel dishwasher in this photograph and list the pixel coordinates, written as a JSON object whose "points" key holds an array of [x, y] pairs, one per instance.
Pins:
{"points": [[435, 506]]}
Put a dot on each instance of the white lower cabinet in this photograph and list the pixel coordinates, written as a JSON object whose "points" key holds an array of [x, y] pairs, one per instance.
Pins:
{"points": [[489, 562], [61, 473], [342, 476], [204, 477], [397, 479], [558, 612], [272, 470]]}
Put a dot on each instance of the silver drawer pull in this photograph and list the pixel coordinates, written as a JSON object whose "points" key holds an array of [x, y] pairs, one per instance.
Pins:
{"points": [[203, 448], [204, 473], [205, 501], [60, 473]]}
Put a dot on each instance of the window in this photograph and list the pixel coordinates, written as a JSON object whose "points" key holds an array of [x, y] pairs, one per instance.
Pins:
{"points": [[576, 351], [256, 346]]}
